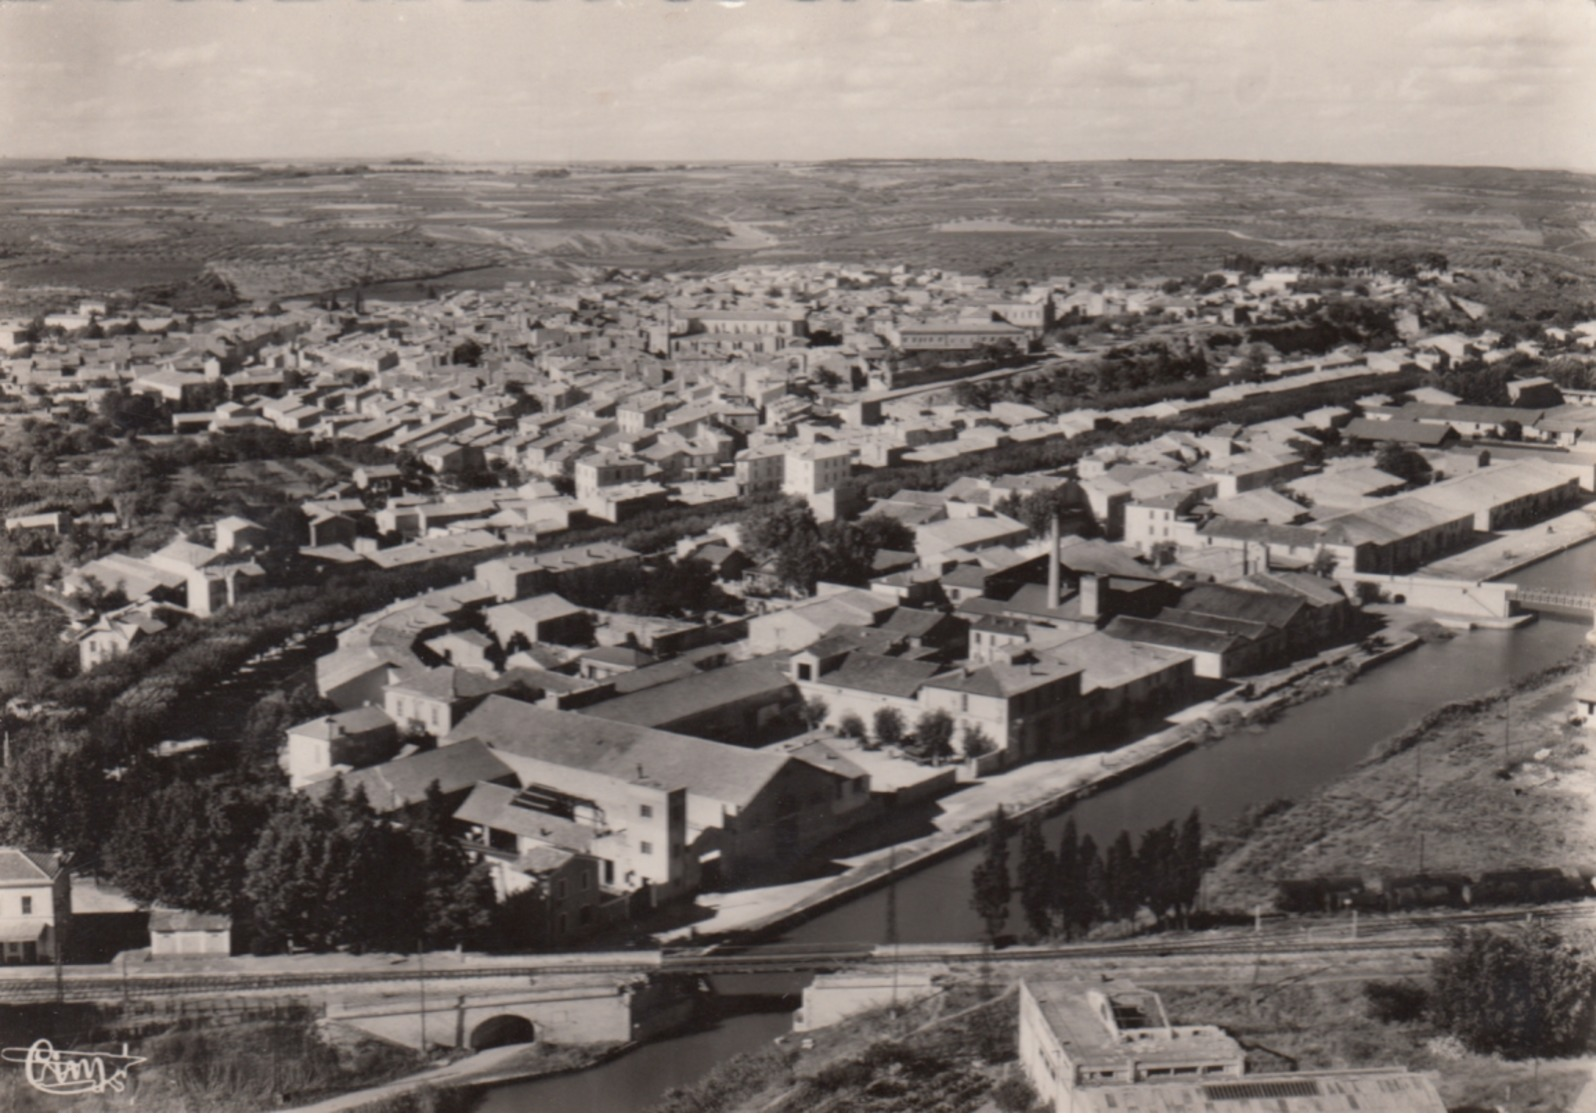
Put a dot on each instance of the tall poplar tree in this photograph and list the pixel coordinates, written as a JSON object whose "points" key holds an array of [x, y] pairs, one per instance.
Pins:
{"points": [[989, 894], [1067, 897], [1036, 878]]}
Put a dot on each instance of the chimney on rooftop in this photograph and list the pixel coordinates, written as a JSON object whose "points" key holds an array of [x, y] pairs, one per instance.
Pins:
{"points": [[1091, 593], [1052, 564]]}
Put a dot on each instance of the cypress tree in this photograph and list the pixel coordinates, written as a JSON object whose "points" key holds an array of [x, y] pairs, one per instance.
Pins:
{"points": [[989, 894], [1036, 878], [1122, 878], [1189, 856], [1067, 899], [1157, 870], [1092, 891]]}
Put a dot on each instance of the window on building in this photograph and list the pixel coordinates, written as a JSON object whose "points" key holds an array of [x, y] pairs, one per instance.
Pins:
{"points": [[27, 905], [645, 811], [648, 847], [587, 880]]}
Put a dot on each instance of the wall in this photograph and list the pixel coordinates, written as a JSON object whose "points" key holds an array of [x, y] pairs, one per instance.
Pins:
{"points": [[1441, 595], [831, 999], [1040, 1054]]}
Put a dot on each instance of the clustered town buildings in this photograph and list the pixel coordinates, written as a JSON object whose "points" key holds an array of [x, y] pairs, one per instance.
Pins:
{"points": [[616, 762]]}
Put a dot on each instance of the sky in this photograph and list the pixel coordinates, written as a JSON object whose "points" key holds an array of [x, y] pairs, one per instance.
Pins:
{"points": [[1497, 82]]}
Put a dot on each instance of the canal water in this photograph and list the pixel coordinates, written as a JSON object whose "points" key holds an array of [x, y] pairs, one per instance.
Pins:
{"points": [[1308, 746], [635, 1082]]}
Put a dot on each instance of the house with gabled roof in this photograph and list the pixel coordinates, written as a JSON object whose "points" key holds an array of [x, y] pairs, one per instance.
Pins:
{"points": [[35, 905], [112, 634], [713, 812]]}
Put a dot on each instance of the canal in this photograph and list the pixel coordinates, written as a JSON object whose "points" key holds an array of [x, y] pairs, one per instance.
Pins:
{"points": [[635, 1082], [1307, 747]]}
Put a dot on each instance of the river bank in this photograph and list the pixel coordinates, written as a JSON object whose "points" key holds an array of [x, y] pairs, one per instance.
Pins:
{"points": [[1044, 788], [1494, 782], [454, 1086]]}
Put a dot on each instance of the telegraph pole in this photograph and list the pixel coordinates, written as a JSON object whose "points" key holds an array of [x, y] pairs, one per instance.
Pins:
{"points": [[892, 919], [1507, 729], [421, 979], [1418, 796]]}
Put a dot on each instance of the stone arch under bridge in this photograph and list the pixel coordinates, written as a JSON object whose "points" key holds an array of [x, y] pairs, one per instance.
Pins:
{"points": [[501, 1031]]}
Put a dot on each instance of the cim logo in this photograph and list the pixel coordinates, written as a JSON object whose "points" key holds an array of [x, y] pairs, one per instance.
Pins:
{"points": [[72, 1072]]}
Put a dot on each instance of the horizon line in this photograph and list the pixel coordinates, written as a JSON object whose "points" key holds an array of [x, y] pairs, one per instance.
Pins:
{"points": [[450, 160]]}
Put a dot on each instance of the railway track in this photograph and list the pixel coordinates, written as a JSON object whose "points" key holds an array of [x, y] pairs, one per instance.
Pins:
{"points": [[1388, 935]]}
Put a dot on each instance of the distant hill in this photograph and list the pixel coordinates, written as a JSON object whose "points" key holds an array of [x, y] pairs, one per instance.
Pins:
{"points": [[282, 227]]}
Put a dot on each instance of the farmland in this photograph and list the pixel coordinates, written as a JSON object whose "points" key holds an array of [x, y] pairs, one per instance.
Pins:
{"points": [[176, 232]]}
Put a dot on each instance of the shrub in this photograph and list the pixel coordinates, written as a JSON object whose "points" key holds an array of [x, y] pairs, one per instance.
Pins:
{"points": [[1396, 1002], [1014, 1095], [888, 725], [851, 725]]}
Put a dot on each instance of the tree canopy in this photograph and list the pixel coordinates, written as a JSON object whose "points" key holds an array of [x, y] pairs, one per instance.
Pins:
{"points": [[1518, 993]]}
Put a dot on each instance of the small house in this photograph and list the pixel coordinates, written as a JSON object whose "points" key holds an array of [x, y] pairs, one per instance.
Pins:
{"points": [[189, 932]]}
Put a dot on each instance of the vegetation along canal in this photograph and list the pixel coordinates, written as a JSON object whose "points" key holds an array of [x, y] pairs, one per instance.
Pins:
{"points": [[1309, 746]]}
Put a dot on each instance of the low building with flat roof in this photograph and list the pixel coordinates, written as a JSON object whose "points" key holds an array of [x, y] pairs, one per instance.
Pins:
{"points": [[1109, 1047]]}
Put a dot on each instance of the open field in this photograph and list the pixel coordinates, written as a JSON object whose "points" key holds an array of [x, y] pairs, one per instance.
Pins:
{"points": [[272, 231]]}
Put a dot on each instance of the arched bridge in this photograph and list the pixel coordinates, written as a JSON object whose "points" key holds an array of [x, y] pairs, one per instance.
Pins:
{"points": [[612, 1012]]}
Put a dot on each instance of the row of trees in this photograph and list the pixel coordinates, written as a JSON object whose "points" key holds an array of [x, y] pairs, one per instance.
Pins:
{"points": [[1074, 384], [932, 738], [1068, 891]]}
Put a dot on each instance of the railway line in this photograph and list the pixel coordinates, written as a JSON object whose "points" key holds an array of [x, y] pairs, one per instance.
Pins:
{"points": [[1293, 942]]}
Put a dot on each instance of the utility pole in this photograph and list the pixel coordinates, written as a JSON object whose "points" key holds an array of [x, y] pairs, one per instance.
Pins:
{"points": [[421, 979], [892, 919], [1418, 795], [1507, 728]]}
